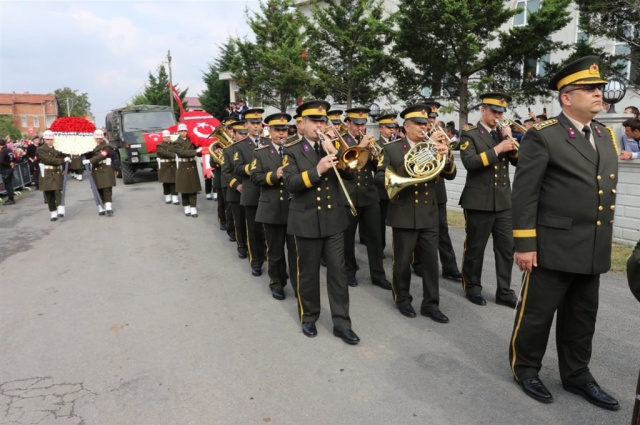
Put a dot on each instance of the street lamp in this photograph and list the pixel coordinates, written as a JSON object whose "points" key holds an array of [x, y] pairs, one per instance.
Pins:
{"points": [[613, 93], [374, 111]]}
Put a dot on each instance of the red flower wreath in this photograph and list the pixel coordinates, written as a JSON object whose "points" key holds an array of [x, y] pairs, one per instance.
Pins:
{"points": [[72, 125]]}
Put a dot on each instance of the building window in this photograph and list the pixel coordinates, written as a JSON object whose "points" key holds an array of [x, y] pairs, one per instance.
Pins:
{"points": [[36, 122], [528, 7], [23, 121]]}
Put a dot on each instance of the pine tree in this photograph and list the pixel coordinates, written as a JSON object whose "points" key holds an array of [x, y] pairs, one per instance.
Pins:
{"points": [[215, 98], [156, 92]]}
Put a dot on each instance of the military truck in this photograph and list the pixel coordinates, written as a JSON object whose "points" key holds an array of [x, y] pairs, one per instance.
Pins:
{"points": [[125, 128]]}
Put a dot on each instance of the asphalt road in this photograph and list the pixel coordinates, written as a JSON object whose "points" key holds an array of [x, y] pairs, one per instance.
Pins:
{"points": [[149, 317]]}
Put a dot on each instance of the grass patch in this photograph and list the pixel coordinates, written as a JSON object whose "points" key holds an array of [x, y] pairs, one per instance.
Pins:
{"points": [[619, 252]]}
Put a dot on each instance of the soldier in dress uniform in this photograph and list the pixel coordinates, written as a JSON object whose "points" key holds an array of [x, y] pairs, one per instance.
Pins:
{"points": [[234, 189], [187, 177], [317, 220], [51, 174], [388, 128], [216, 180], [564, 194], [241, 164], [102, 171], [413, 218], [224, 188], [365, 198], [299, 129], [273, 208], [167, 170], [486, 153]]}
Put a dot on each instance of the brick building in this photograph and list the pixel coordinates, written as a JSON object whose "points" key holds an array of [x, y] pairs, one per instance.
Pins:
{"points": [[35, 111]]}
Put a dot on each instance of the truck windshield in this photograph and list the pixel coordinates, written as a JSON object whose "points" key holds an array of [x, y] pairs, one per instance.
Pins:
{"points": [[152, 120]]}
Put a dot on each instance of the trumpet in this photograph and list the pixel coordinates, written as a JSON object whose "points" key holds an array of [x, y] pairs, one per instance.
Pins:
{"points": [[452, 145], [422, 163], [502, 127], [509, 122], [374, 148], [352, 207], [223, 141], [353, 158]]}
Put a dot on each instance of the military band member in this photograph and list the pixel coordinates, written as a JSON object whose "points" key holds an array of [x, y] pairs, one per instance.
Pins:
{"points": [[388, 128], [242, 159], [102, 171], [187, 176], [51, 162], [216, 180], [364, 196], [273, 208], [299, 129], [234, 189], [564, 195], [167, 170], [486, 153], [317, 220], [413, 218], [224, 184]]}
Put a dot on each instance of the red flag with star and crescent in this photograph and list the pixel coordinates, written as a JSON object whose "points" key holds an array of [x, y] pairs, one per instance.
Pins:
{"points": [[152, 140], [200, 126]]}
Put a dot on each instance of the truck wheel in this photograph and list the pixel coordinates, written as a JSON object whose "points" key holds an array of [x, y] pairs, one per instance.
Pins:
{"points": [[127, 173]]}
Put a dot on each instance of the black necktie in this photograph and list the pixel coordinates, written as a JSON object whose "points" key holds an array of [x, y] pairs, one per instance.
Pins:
{"points": [[281, 151], [494, 134], [317, 149], [587, 133]]}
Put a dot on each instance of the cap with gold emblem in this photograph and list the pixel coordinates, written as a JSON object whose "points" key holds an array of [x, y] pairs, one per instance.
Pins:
{"points": [[278, 121], [496, 101], [297, 117], [418, 113], [433, 108], [388, 120], [585, 70], [229, 122], [357, 115], [253, 115], [240, 126], [315, 110], [334, 116]]}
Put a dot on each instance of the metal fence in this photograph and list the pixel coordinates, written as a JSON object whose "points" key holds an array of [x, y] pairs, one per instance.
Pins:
{"points": [[21, 177]]}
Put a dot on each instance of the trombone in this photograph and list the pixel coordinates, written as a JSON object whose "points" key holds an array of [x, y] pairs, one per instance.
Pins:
{"points": [[502, 127], [353, 158], [321, 140]]}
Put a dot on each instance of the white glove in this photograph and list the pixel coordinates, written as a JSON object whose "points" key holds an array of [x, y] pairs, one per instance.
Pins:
{"points": [[85, 162], [67, 159], [199, 150]]}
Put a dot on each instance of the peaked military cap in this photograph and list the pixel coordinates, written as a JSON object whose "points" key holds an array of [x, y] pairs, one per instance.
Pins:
{"points": [[314, 109], [418, 113], [496, 100], [433, 108], [585, 70], [253, 115], [357, 115], [240, 126], [334, 116], [388, 120], [279, 121]]}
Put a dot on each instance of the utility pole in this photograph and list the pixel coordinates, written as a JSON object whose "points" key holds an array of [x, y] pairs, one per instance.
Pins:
{"points": [[170, 79], [68, 108]]}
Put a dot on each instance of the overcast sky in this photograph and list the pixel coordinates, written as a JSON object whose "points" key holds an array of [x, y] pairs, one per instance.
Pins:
{"points": [[106, 48]]}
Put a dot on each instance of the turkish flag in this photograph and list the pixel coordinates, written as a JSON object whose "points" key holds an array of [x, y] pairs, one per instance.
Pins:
{"points": [[200, 125], [152, 140]]}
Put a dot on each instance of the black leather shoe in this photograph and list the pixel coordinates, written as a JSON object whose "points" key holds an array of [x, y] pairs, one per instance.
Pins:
{"points": [[243, 254], [592, 392], [436, 316], [351, 281], [512, 303], [309, 329], [453, 276], [384, 284], [11, 202], [407, 310], [102, 213], [110, 212], [54, 218], [223, 227], [534, 388], [347, 335], [256, 271], [477, 299], [277, 293], [232, 238]]}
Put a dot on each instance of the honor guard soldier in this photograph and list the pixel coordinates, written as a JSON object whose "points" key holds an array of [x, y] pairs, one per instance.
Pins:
{"points": [[413, 216], [364, 196], [167, 170], [564, 194], [486, 152], [317, 220], [235, 188], [388, 128], [241, 164], [187, 176], [273, 208], [102, 171], [51, 174]]}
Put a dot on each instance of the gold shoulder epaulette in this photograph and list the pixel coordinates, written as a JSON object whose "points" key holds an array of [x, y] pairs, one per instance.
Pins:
{"points": [[545, 124], [473, 127], [295, 142], [262, 147], [390, 142]]}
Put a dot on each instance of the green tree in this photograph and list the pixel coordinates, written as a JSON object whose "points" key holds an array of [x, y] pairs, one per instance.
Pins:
{"points": [[460, 48], [7, 127], [350, 53], [156, 92], [72, 103], [618, 20], [273, 68], [215, 98]]}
